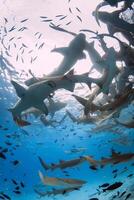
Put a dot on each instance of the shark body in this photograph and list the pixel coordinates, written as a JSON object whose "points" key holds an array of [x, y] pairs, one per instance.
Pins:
{"points": [[95, 57], [116, 158], [116, 24], [72, 54], [35, 94], [55, 181], [62, 164], [31, 97], [57, 191], [113, 18]]}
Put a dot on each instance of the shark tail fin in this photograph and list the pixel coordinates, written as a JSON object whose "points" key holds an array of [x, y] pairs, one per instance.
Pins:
{"points": [[20, 122], [44, 165]]}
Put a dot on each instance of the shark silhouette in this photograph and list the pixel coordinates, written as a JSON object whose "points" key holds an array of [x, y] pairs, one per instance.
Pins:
{"points": [[72, 54], [113, 18], [55, 181], [98, 62], [35, 94], [116, 24], [96, 59], [31, 97]]}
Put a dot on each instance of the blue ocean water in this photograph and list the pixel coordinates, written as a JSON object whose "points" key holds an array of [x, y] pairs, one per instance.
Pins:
{"points": [[51, 144]]}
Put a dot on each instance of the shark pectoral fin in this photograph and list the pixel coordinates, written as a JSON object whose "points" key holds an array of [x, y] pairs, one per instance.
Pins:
{"points": [[62, 50], [20, 90], [42, 107]]}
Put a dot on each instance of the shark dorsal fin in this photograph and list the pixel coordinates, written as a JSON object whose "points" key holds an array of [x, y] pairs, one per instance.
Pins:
{"points": [[20, 90], [61, 50]]}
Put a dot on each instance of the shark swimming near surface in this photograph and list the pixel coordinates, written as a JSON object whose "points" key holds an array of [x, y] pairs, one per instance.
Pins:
{"points": [[34, 95], [116, 24], [72, 54], [31, 97], [89, 47], [96, 59], [98, 62], [113, 18]]}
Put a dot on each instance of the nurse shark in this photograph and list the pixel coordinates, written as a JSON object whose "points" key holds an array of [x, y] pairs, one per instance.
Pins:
{"points": [[35, 94], [72, 54]]}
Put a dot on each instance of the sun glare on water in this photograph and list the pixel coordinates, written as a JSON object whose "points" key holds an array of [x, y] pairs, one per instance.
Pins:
{"points": [[43, 61]]}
